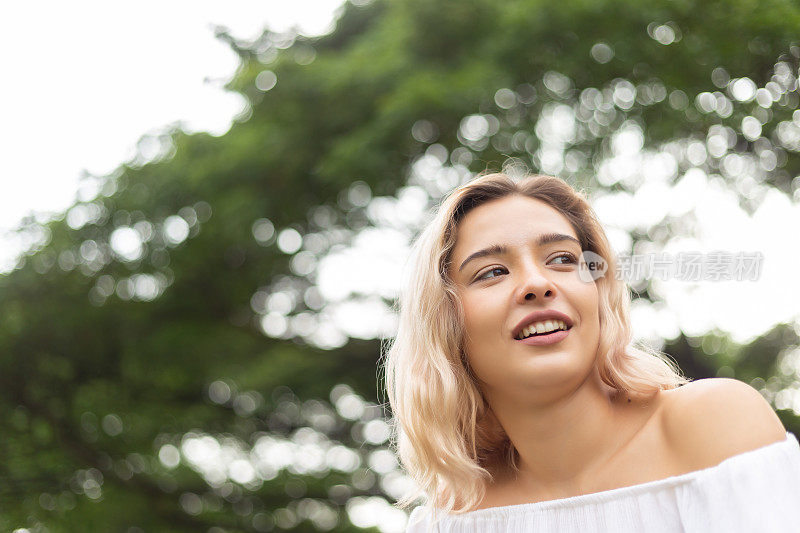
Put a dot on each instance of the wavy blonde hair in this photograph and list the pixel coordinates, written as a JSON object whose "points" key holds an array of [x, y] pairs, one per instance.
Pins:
{"points": [[445, 433]]}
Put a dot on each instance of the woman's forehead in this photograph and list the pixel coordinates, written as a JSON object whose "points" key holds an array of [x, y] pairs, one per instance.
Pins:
{"points": [[512, 219]]}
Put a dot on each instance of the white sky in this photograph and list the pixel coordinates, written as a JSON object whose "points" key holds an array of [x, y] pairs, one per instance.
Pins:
{"points": [[84, 80]]}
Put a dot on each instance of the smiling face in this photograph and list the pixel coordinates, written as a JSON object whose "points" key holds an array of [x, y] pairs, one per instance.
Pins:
{"points": [[517, 272]]}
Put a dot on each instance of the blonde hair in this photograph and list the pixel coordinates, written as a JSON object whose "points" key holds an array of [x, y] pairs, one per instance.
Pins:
{"points": [[445, 434]]}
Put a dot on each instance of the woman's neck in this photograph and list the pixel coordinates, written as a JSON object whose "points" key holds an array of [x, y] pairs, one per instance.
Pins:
{"points": [[560, 443]]}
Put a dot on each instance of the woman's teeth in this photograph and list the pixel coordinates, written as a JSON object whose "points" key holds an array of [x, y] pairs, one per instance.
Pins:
{"points": [[539, 328]]}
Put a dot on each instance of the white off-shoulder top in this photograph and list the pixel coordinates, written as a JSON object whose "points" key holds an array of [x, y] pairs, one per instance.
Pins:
{"points": [[755, 491]]}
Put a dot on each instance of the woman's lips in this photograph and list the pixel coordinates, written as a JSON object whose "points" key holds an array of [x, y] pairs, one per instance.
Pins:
{"points": [[543, 340]]}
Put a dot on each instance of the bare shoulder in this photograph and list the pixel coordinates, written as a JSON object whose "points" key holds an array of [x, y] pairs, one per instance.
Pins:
{"points": [[709, 420]]}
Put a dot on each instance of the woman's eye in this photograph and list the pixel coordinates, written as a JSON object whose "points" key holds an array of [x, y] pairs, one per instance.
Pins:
{"points": [[486, 275], [570, 259]]}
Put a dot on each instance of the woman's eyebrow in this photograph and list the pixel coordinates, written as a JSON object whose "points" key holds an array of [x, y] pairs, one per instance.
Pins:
{"points": [[501, 249]]}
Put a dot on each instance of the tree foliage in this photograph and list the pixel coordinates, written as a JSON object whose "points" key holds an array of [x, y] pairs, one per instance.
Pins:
{"points": [[136, 331]]}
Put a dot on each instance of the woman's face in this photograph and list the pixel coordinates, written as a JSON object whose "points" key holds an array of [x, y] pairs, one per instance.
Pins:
{"points": [[504, 271]]}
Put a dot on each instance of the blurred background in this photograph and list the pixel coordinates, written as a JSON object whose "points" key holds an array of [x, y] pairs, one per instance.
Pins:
{"points": [[205, 211]]}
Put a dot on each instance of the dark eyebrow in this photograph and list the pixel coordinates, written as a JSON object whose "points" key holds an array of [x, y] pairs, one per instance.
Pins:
{"points": [[500, 249]]}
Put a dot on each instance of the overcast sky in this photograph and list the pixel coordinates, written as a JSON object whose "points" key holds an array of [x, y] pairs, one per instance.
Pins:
{"points": [[84, 80]]}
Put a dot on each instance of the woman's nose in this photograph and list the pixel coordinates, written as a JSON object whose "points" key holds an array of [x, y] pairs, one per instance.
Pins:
{"points": [[535, 286]]}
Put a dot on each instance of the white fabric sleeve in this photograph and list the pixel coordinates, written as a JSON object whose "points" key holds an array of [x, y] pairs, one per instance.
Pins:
{"points": [[754, 491]]}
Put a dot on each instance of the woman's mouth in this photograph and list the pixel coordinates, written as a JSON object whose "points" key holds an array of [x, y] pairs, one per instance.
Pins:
{"points": [[542, 339]]}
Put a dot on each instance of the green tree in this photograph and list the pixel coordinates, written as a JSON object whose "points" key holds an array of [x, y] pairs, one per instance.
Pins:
{"points": [[136, 348]]}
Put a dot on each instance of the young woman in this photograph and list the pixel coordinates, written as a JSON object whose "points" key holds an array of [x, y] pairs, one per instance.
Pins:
{"points": [[521, 405]]}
